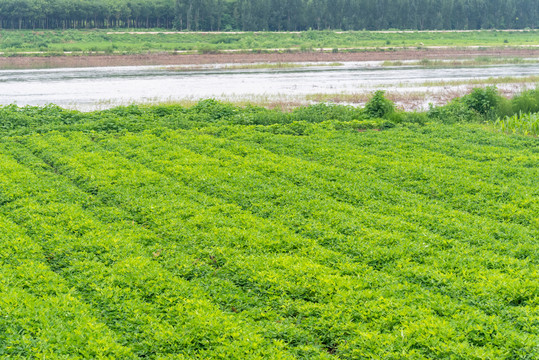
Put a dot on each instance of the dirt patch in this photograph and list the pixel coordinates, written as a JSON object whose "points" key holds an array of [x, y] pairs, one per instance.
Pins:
{"points": [[30, 62]]}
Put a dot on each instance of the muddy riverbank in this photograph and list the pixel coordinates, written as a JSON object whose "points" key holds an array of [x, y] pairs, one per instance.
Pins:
{"points": [[74, 61]]}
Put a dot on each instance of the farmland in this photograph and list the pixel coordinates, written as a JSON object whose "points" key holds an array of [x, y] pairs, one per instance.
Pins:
{"points": [[139, 41], [219, 231]]}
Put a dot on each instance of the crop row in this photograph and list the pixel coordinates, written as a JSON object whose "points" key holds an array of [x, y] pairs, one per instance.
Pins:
{"points": [[110, 263], [281, 284], [251, 190], [40, 316], [496, 182]]}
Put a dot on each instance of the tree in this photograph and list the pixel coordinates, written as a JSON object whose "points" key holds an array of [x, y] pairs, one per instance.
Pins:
{"points": [[274, 15]]}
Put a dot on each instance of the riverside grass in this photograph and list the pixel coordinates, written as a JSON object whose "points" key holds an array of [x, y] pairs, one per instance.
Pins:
{"points": [[136, 41], [216, 231], [478, 61]]}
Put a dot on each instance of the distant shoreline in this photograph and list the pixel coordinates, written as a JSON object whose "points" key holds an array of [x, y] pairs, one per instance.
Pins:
{"points": [[36, 62]]}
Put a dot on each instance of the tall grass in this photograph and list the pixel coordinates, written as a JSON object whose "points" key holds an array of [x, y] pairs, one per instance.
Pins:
{"points": [[478, 61]]}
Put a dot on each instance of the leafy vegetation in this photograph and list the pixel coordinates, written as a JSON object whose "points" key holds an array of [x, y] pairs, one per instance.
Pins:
{"points": [[244, 233], [378, 106], [478, 61], [485, 104], [77, 42], [527, 124], [483, 100]]}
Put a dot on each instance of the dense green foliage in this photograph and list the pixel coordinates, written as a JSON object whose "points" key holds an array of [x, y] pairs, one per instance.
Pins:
{"points": [[217, 231], [486, 104], [270, 14], [379, 106]]}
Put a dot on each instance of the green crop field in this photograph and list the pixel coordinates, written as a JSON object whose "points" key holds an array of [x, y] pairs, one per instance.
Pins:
{"points": [[220, 232], [77, 42]]}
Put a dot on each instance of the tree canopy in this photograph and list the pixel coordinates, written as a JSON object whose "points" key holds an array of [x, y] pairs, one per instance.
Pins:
{"points": [[270, 15]]}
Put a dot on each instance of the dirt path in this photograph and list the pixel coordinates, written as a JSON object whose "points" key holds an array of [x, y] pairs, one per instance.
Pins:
{"points": [[31, 62]]}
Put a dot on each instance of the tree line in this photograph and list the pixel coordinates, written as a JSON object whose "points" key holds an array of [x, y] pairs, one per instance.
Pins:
{"points": [[270, 15]]}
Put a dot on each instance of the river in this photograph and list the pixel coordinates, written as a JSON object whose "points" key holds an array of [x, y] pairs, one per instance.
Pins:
{"points": [[103, 87]]}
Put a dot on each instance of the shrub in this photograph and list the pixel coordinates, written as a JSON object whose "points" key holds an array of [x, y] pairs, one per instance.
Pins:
{"points": [[483, 100], [207, 49], [454, 112], [215, 109], [322, 112], [504, 107], [378, 106], [525, 102], [419, 118], [260, 117]]}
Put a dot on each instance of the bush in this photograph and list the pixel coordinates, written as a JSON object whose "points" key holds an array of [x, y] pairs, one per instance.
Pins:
{"points": [[419, 118], [485, 103], [260, 117], [526, 102], [207, 49], [504, 107], [322, 112], [483, 100], [454, 112], [215, 109], [402, 117], [378, 106]]}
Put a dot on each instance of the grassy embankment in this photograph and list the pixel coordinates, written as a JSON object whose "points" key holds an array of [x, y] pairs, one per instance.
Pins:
{"points": [[478, 61], [215, 231], [77, 42]]}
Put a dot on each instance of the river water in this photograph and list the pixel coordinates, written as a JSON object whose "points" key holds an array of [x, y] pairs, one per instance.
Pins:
{"points": [[98, 88]]}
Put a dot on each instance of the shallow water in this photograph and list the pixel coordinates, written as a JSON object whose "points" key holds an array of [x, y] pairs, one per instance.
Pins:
{"points": [[97, 88]]}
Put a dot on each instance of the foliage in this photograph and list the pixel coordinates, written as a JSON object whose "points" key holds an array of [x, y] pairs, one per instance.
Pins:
{"points": [[526, 102], [526, 124], [89, 41], [483, 100], [322, 112], [272, 15], [485, 104], [378, 106], [215, 109], [412, 117], [209, 232], [13, 117]]}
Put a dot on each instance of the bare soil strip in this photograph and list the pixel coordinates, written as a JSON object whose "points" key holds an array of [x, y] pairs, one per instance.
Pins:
{"points": [[33, 62]]}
